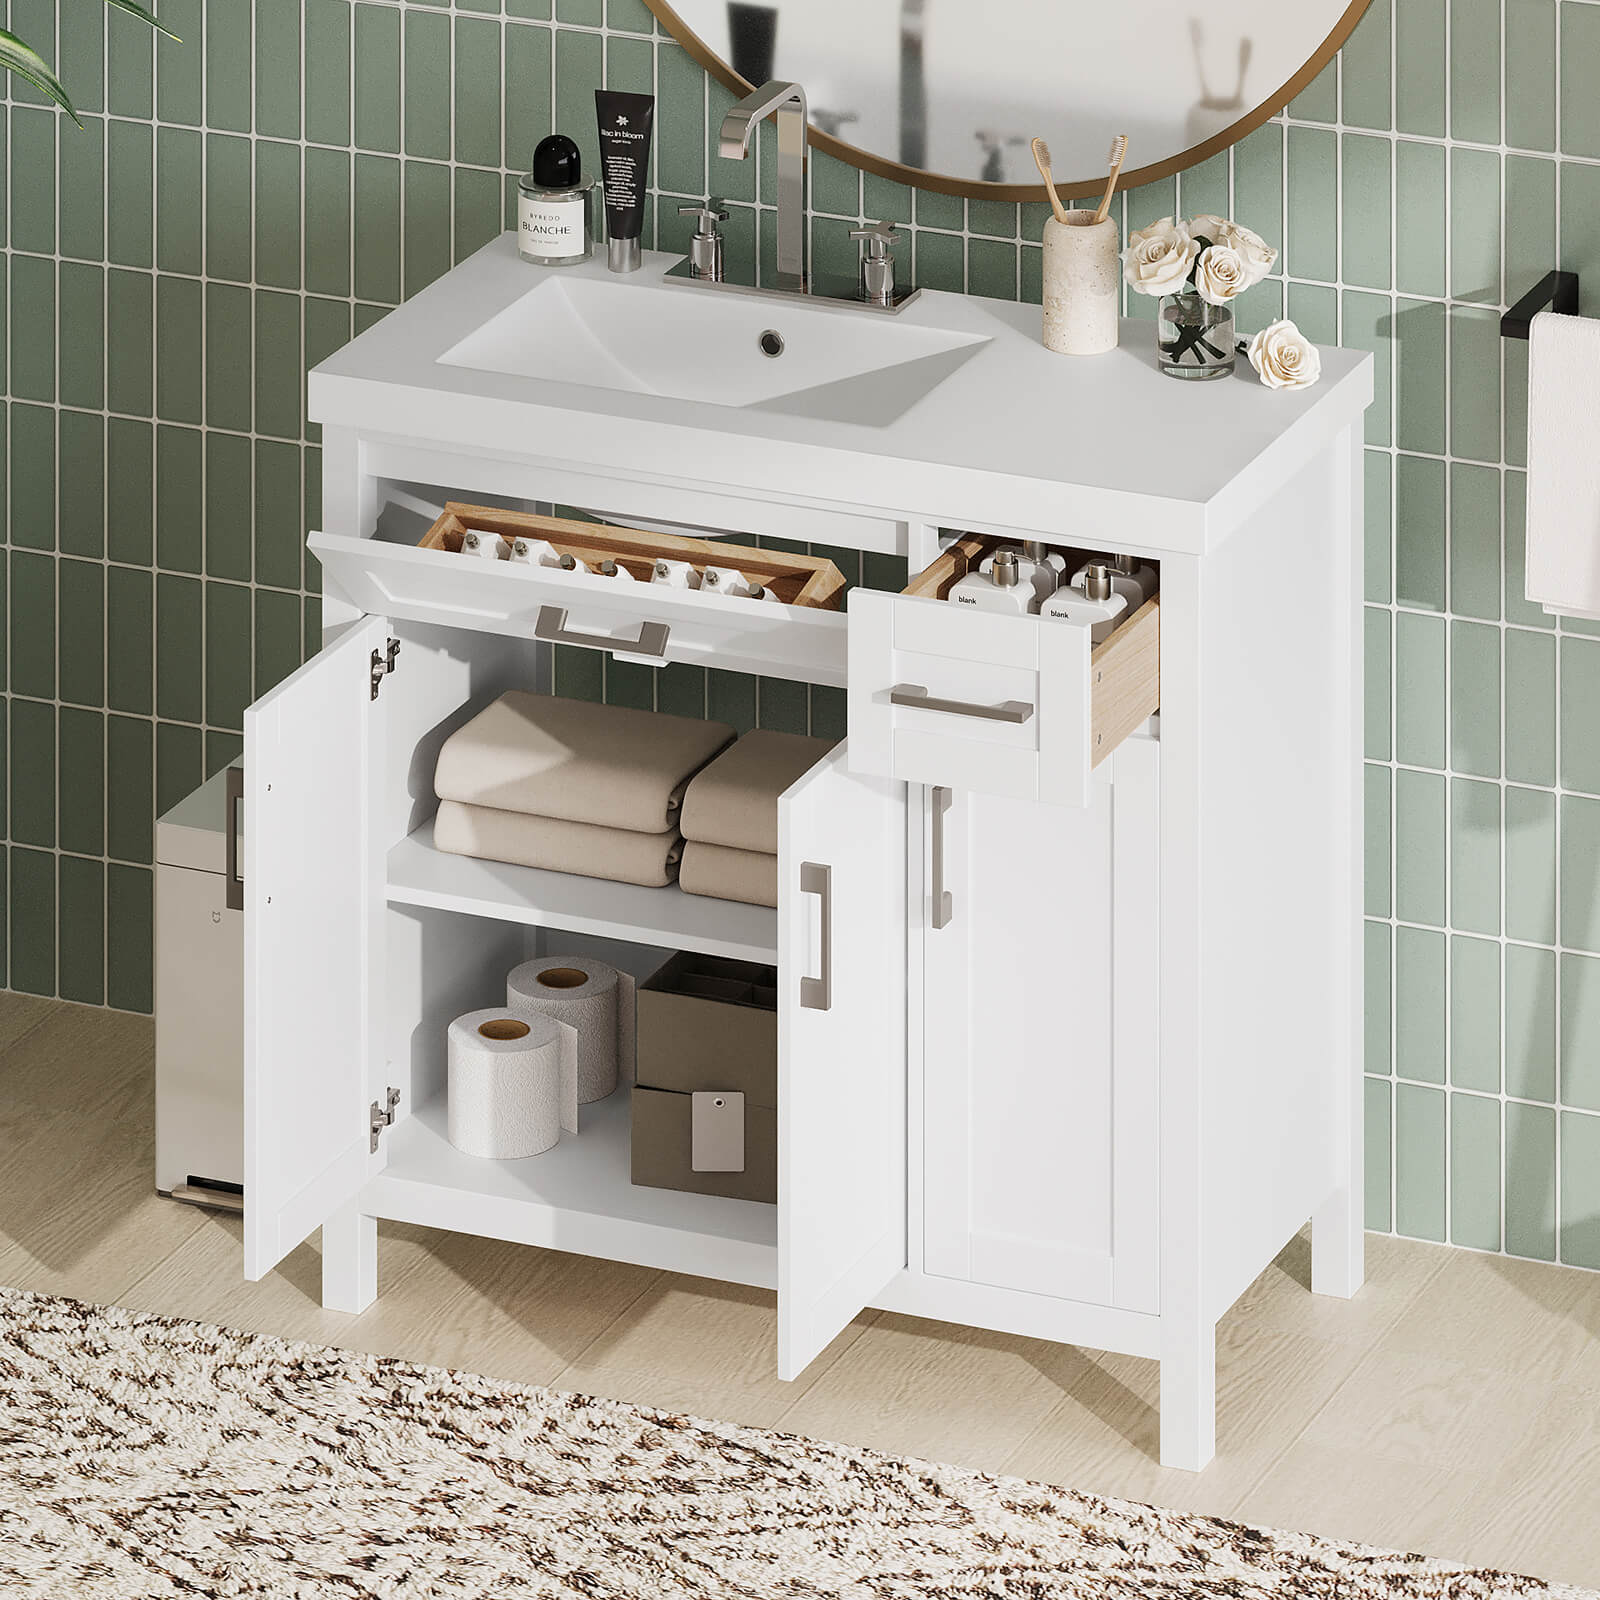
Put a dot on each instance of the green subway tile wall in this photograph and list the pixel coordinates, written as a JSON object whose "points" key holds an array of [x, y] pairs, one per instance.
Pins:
{"points": [[237, 206]]}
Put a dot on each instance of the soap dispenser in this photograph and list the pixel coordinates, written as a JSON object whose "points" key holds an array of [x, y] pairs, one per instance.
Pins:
{"points": [[1130, 577], [1035, 566], [1090, 601], [1002, 587]]}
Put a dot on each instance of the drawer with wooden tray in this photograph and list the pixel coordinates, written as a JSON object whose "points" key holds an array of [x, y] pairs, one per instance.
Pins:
{"points": [[597, 593], [1024, 706]]}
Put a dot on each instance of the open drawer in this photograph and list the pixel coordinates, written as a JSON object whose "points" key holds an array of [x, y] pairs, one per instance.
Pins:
{"points": [[637, 621], [1021, 706]]}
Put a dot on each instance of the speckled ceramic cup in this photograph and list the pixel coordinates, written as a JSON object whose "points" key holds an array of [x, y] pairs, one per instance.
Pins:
{"points": [[1082, 284]]}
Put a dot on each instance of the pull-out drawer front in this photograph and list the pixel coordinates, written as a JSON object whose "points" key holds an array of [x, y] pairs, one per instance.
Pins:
{"points": [[636, 621], [1015, 706]]}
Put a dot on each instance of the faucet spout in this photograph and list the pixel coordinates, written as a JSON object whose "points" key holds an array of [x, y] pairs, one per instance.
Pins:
{"points": [[738, 127]]}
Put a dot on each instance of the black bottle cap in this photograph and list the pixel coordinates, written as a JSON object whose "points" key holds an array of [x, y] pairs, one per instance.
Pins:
{"points": [[557, 163]]}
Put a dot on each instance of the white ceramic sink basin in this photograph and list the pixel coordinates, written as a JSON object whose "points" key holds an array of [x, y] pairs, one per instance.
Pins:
{"points": [[687, 343]]}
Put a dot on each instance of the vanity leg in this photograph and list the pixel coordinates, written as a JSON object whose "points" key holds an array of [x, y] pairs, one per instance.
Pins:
{"points": [[349, 1261], [1188, 1397], [1338, 1245]]}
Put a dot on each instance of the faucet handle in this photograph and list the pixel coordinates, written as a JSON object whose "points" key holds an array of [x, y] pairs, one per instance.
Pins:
{"points": [[877, 237], [706, 215], [705, 249]]}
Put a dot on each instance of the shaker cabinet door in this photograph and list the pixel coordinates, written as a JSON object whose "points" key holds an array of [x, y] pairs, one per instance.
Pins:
{"points": [[841, 1052], [312, 900], [1039, 1039]]}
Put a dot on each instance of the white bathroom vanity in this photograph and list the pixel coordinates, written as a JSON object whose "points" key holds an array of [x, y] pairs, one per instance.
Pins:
{"points": [[1067, 937]]}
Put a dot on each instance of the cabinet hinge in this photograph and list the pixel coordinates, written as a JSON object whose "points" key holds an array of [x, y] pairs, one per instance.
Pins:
{"points": [[382, 1117], [383, 665]]}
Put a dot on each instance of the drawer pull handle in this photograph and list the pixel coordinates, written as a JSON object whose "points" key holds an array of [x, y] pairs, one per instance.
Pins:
{"points": [[816, 994], [943, 900], [552, 627], [233, 884], [913, 694]]}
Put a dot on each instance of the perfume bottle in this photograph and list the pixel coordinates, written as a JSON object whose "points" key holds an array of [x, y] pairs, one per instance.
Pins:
{"points": [[1092, 603], [999, 585], [555, 203]]}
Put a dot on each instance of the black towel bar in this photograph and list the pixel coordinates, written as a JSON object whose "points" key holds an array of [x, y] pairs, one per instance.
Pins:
{"points": [[1557, 290]]}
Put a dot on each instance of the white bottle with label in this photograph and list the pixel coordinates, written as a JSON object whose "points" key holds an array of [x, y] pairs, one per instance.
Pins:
{"points": [[554, 206], [999, 585], [1094, 603], [1132, 578], [1039, 571]]}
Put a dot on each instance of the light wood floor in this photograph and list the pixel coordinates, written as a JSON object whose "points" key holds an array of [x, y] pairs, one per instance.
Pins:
{"points": [[1453, 1407]]}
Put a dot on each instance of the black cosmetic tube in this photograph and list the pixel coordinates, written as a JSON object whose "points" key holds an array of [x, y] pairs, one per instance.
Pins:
{"points": [[625, 122]]}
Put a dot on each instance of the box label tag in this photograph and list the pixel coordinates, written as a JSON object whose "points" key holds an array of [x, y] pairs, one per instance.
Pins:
{"points": [[716, 1132]]}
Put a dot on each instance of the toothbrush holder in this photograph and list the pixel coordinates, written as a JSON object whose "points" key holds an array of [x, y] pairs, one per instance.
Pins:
{"points": [[1082, 284]]}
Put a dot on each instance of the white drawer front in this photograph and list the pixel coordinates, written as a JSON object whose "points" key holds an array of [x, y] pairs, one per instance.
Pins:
{"points": [[638, 621], [992, 704]]}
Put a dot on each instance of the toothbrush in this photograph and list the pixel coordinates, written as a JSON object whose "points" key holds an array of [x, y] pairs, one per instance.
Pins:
{"points": [[1041, 159], [1118, 154]]}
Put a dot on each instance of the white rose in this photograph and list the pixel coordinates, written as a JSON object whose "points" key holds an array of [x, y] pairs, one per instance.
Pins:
{"points": [[1284, 358], [1158, 258], [1220, 274], [1166, 228], [1210, 226], [1257, 255]]}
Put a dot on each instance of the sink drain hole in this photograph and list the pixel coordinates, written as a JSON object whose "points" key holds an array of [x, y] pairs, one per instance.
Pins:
{"points": [[771, 343]]}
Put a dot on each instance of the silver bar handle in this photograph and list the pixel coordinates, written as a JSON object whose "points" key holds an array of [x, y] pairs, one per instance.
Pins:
{"points": [[914, 695], [551, 626], [943, 900], [233, 884], [816, 994]]}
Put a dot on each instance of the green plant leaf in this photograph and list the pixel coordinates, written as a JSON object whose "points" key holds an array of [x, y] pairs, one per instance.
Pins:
{"points": [[135, 10], [31, 67]]}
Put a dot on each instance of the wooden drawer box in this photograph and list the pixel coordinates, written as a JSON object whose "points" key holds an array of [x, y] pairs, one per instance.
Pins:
{"points": [[1020, 706]]}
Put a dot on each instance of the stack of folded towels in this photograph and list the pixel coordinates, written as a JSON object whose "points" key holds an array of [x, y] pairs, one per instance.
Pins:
{"points": [[730, 816], [572, 787]]}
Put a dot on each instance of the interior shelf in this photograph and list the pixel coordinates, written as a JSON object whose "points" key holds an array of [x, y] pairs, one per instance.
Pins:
{"points": [[420, 875], [576, 1197]]}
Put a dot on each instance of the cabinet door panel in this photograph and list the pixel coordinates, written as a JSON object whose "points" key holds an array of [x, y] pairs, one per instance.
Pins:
{"points": [[311, 904], [841, 1052], [1040, 1059]]}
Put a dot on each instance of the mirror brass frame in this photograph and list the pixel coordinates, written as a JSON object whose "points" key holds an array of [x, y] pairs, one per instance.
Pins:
{"points": [[976, 188]]}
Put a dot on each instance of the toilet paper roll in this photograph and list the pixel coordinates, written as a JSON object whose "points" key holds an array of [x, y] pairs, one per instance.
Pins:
{"points": [[513, 1083], [590, 996]]}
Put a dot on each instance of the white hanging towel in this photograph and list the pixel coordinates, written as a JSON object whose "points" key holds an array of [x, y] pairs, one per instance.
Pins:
{"points": [[1563, 555]]}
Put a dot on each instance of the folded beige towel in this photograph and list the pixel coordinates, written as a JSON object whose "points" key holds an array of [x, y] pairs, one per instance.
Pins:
{"points": [[610, 766], [734, 802], [727, 874], [621, 854]]}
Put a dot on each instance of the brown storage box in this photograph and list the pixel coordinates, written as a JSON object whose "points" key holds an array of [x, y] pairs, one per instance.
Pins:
{"points": [[661, 1139], [706, 1024]]}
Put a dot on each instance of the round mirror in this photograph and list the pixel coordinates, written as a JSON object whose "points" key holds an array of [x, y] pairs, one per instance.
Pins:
{"points": [[947, 94]]}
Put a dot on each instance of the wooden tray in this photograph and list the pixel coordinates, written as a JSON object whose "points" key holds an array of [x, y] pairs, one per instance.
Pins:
{"points": [[795, 580]]}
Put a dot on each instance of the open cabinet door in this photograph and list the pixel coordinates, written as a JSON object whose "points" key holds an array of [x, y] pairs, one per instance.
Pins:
{"points": [[309, 924], [841, 1052]]}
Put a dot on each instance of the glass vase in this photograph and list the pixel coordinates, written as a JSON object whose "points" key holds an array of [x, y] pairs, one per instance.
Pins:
{"points": [[1194, 339]]}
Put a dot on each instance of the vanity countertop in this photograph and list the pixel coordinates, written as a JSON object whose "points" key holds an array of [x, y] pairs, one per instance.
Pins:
{"points": [[1015, 437]]}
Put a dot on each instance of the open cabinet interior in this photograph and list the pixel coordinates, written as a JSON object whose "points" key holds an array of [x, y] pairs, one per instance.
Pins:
{"points": [[442, 931]]}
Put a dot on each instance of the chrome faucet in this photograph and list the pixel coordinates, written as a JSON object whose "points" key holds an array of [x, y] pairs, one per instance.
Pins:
{"points": [[738, 127], [873, 286]]}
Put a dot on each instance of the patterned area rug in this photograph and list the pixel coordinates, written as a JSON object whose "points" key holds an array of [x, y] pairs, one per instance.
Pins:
{"points": [[143, 1458]]}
